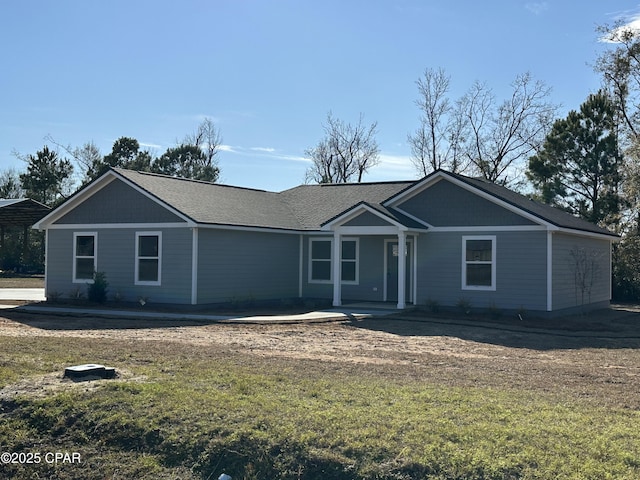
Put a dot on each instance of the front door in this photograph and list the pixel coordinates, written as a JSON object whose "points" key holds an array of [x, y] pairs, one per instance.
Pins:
{"points": [[392, 255]]}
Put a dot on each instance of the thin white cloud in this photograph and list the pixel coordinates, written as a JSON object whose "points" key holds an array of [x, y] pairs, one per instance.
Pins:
{"points": [[630, 24], [294, 158], [269, 153], [537, 7], [227, 148], [201, 117], [151, 145], [263, 149], [392, 167]]}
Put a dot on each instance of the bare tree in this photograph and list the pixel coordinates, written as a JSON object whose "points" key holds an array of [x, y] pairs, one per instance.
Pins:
{"points": [[207, 137], [10, 186], [586, 270], [620, 69], [85, 158], [500, 136], [346, 151], [476, 133], [434, 143]]}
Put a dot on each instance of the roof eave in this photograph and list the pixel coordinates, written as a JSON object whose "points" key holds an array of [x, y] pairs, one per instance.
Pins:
{"points": [[95, 186], [356, 210], [75, 199]]}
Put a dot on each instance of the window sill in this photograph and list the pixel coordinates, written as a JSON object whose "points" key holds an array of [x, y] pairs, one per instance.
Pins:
{"points": [[485, 289]]}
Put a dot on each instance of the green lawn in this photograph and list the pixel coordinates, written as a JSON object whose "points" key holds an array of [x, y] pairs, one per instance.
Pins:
{"points": [[188, 412]]}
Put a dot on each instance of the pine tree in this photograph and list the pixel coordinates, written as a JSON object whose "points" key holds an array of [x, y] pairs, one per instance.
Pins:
{"points": [[578, 168], [47, 177]]}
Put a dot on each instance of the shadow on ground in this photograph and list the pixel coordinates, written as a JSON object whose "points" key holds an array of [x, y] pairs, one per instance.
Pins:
{"points": [[72, 321], [616, 328], [81, 318]]}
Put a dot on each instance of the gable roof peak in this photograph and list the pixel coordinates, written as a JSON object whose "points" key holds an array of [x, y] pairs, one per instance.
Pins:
{"points": [[124, 172]]}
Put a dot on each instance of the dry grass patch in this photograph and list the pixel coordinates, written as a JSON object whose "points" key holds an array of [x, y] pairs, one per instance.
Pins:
{"points": [[443, 401]]}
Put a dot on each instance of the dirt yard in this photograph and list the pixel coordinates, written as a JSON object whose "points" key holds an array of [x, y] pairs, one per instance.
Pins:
{"points": [[595, 358]]}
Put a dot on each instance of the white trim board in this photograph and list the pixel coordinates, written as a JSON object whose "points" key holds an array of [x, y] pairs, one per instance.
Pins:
{"points": [[138, 258], [95, 187], [355, 212], [412, 275]]}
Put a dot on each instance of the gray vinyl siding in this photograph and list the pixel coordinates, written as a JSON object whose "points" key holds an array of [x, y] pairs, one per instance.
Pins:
{"points": [[520, 270], [566, 293], [370, 286], [241, 266], [118, 203], [446, 204], [368, 219], [116, 258]]}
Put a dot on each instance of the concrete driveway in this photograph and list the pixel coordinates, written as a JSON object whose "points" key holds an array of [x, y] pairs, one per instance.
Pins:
{"points": [[28, 294]]}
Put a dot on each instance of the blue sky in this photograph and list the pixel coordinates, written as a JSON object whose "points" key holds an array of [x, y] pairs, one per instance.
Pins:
{"points": [[267, 72]]}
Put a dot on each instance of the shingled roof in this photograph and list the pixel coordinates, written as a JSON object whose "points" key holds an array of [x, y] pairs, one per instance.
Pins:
{"points": [[315, 205], [545, 212], [211, 203], [309, 207], [305, 207]]}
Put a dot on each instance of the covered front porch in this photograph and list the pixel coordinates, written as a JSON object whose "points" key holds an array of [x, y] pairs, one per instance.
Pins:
{"points": [[397, 238]]}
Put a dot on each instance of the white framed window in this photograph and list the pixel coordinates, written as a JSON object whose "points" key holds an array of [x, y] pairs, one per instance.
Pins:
{"points": [[148, 270], [479, 262], [320, 260], [85, 256], [349, 261]]}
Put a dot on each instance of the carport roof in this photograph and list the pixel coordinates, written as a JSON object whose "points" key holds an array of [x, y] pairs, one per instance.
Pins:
{"points": [[21, 211]]}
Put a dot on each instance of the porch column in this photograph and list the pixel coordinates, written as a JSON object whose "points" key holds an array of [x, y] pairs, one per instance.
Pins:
{"points": [[402, 264], [336, 256]]}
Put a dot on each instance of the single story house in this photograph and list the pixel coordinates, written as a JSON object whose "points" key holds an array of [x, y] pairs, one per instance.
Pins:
{"points": [[179, 241]]}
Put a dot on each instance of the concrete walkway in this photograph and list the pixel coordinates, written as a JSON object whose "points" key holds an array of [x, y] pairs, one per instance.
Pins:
{"points": [[363, 310], [27, 294], [340, 313]]}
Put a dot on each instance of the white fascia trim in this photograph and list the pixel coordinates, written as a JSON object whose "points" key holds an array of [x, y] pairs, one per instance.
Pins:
{"points": [[489, 228], [355, 212], [66, 207], [360, 230], [487, 196], [95, 187], [583, 233], [76, 226], [413, 217], [254, 229], [178, 213], [420, 186]]}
